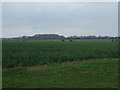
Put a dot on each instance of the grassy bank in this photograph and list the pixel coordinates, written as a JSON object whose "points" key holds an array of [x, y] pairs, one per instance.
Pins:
{"points": [[100, 73]]}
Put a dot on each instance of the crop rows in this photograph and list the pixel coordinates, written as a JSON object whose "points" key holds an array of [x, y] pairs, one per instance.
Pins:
{"points": [[30, 53]]}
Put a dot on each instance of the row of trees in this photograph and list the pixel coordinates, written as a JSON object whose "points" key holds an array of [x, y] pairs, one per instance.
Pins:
{"points": [[92, 37], [56, 36]]}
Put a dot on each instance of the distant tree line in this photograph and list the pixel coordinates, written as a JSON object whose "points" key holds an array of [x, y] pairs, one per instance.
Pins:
{"points": [[58, 37], [92, 37], [37, 37]]}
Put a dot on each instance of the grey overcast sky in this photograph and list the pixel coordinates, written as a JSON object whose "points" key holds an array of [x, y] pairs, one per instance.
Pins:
{"points": [[63, 18]]}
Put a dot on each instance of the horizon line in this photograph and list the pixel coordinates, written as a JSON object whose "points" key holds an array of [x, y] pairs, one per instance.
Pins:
{"points": [[59, 35]]}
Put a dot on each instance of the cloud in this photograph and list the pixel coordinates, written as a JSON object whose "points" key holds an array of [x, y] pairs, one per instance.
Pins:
{"points": [[62, 18]]}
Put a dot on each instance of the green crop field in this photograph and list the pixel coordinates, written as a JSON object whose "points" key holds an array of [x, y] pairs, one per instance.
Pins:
{"points": [[57, 64], [30, 53]]}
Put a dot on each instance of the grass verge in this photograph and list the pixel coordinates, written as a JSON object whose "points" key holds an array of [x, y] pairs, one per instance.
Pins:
{"points": [[100, 73]]}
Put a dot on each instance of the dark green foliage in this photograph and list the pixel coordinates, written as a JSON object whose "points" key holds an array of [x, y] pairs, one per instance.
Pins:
{"points": [[63, 40], [70, 40], [30, 53]]}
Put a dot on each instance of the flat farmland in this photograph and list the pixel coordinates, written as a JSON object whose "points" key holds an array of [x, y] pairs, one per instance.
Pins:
{"points": [[57, 64], [40, 52]]}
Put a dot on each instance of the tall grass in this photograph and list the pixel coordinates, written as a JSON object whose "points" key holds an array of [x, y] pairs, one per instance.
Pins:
{"points": [[29, 53]]}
